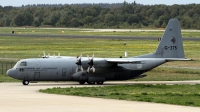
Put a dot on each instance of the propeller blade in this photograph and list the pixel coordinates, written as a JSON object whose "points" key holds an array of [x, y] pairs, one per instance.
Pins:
{"points": [[93, 56], [88, 70], [93, 69], [44, 55], [79, 63], [91, 64]]}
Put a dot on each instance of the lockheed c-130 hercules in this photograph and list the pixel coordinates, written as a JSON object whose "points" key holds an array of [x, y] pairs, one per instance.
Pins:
{"points": [[98, 70]]}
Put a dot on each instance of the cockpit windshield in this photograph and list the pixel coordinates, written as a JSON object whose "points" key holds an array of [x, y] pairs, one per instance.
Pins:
{"points": [[20, 63], [16, 65], [23, 63]]}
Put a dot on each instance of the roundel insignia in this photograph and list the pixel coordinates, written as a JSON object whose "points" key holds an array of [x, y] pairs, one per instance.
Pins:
{"points": [[139, 66], [173, 40]]}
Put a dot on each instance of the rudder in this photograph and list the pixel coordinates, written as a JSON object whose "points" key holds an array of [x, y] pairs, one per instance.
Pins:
{"points": [[171, 45]]}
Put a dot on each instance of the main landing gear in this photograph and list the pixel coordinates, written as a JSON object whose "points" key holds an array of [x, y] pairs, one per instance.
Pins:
{"points": [[25, 82], [91, 83]]}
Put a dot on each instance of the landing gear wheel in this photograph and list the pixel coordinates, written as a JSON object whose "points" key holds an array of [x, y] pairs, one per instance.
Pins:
{"points": [[91, 83], [81, 82], [100, 83], [25, 82]]}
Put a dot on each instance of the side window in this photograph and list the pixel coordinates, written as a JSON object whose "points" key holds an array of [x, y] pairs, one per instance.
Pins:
{"points": [[21, 69]]}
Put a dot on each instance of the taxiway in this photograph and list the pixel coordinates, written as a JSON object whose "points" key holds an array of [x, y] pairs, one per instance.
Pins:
{"points": [[89, 36], [14, 97]]}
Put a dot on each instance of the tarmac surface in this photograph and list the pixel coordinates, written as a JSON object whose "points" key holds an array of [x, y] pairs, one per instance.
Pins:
{"points": [[14, 97]]}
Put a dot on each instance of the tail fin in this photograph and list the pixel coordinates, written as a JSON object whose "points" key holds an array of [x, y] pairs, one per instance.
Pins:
{"points": [[171, 45]]}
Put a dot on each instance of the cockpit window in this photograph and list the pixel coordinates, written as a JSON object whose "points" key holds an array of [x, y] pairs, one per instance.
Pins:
{"points": [[23, 63], [16, 65]]}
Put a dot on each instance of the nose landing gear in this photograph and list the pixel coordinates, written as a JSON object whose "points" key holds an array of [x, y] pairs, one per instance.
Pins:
{"points": [[25, 82]]}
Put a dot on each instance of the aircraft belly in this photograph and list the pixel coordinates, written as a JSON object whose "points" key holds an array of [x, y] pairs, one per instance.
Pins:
{"points": [[96, 79], [147, 65], [153, 63], [112, 73], [131, 71]]}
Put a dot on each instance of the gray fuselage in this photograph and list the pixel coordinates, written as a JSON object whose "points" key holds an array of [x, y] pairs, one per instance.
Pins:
{"points": [[64, 69]]}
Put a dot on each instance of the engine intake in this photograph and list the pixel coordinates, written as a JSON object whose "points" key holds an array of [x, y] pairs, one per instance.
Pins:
{"points": [[80, 76]]}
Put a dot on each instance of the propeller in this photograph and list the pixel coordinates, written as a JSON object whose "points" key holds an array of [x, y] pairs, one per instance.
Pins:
{"points": [[59, 55], [91, 64], [48, 56], [44, 55], [79, 63]]}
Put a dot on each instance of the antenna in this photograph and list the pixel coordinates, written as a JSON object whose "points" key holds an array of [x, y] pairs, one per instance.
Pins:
{"points": [[125, 53]]}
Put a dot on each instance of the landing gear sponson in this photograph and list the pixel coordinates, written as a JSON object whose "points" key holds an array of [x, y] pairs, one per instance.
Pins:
{"points": [[91, 83], [25, 82]]}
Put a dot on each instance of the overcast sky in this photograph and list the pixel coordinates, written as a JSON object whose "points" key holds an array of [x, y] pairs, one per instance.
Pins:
{"points": [[146, 2]]}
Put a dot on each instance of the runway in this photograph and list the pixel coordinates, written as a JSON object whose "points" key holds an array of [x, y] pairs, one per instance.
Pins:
{"points": [[14, 97], [89, 36]]}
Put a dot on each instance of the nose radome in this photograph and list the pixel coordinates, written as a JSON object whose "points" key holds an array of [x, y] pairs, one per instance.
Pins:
{"points": [[7, 73], [10, 72]]}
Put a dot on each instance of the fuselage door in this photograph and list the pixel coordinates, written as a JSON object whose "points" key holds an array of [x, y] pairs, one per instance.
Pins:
{"points": [[36, 75], [64, 72]]}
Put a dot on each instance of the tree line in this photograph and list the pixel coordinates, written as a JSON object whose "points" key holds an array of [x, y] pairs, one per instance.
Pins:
{"points": [[127, 15]]}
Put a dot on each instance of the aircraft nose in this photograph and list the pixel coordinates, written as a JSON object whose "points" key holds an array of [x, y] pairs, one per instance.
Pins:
{"points": [[10, 73]]}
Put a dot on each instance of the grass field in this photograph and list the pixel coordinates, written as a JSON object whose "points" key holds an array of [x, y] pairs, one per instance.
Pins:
{"points": [[171, 94], [23, 47]]}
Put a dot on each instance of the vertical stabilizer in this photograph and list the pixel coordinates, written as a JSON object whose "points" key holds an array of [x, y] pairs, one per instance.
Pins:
{"points": [[171, 45]]}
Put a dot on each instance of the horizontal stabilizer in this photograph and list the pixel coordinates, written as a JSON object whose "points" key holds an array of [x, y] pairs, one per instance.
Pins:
{"points": [[178, 59], [124, 61]]}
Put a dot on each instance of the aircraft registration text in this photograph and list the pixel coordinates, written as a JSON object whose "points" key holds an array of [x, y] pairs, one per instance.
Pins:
{"points": [[170, 47]]}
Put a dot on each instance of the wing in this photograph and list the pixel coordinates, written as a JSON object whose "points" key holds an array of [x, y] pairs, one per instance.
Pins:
{"points": [[142, 60], [125, 60], [178, 59]]}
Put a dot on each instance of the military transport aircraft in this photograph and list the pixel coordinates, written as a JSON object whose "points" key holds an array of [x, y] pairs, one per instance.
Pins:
{"points": [[98, 70]]}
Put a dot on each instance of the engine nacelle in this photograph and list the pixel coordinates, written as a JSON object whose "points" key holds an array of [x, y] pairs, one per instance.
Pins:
{"points": [[97, 64], [102, 64], [80, 76]]}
